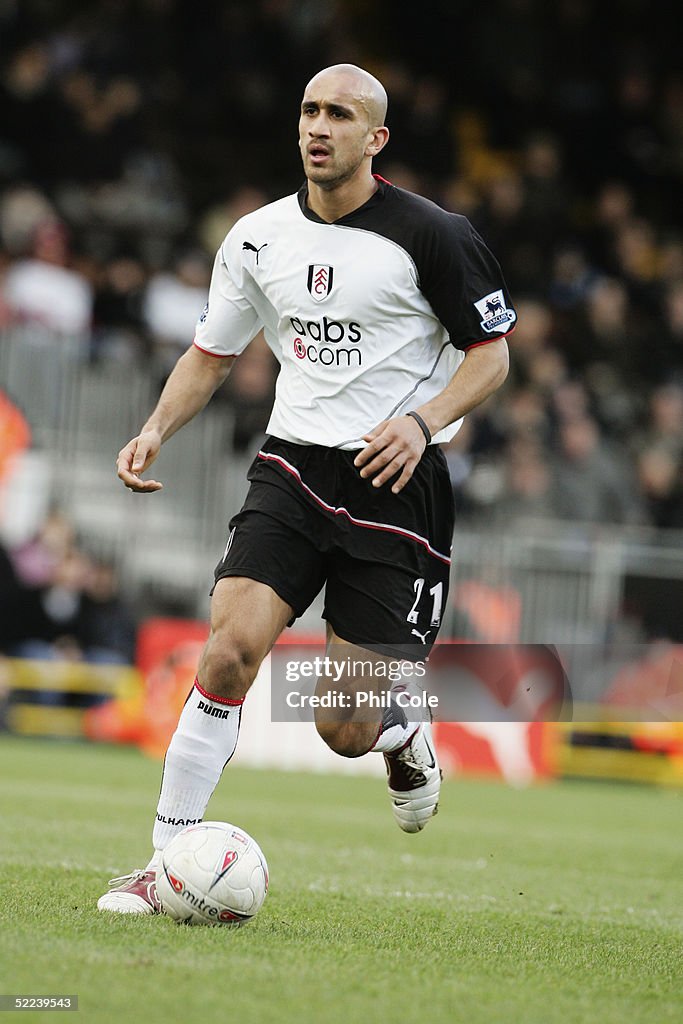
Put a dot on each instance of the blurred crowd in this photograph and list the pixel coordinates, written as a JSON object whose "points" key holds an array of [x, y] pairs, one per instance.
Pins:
{"points": [[133, 134], [59, 602]]}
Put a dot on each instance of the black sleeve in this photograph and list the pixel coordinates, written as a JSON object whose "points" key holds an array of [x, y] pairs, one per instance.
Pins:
{"points": [[464, 284]]}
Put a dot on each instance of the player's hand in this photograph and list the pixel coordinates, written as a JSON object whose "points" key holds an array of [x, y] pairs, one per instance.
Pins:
{"points": [[394, 445], [135, 458]]}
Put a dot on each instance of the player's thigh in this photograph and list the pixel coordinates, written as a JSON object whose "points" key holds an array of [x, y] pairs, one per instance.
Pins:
{"points": [[248, 615], [268, 575], [246, 619]]}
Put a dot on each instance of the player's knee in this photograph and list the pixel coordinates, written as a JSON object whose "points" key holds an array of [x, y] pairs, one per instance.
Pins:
{"points": [[229, 667], [344, 738]]}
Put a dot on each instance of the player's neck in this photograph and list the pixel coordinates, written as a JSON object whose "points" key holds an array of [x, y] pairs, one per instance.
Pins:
{"points": [[332, 204]]}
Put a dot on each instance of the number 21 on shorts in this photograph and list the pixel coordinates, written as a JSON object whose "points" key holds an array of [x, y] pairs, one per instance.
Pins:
{"points": [[436, 593]]}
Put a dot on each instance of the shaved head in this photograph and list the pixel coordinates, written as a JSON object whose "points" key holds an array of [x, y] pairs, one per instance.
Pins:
{"points": [[367, 90], [341, 131]]}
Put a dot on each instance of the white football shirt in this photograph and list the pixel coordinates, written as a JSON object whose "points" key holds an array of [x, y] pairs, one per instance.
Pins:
{"points": [[369, 317]]}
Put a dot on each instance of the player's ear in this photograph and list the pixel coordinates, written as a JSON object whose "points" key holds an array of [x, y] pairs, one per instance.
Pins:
{"points": [[380, 137]]}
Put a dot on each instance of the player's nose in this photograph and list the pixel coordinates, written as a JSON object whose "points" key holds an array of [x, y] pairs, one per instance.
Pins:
{"points": [[319, 127]]}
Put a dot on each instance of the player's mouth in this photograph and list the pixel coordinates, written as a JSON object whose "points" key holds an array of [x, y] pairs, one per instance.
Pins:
{"points": [[318, 154]]}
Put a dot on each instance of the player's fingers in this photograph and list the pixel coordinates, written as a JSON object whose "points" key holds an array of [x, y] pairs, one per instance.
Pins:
{"points": [[376, 442], [143, 486], [390, 470], [405, 476], [131, 461], [381, 459], [376, 431], [367, 453], [135, 483], [140, 458]]}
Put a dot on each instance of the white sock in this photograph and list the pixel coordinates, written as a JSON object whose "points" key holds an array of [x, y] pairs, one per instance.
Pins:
{"points": [[396, 731], [203, 743]]}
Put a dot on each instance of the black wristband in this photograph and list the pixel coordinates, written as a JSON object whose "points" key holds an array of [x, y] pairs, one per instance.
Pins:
{"points": [[422, 425]]}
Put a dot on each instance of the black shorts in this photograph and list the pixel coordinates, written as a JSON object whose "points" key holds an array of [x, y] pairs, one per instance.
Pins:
{"points": [[310, 520]]}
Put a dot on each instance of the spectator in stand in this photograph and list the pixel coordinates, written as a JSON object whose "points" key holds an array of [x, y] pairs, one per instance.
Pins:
{"points": [[27, 101], [613, 208], [250, 390], [612, 352], [99, 119], [459, 460], [608, 330], [37, 560], [634, 136], [16, 607], [56, 602], [120, 332], [503, 222], [458, 195], [524, 414], [528, 490], [570, 401], [58, 619], [547, 369], [532, 335], [49, 572], [425, 138], [79, 616], [106, 630], [547, 196], [664, 428], [172, 305], [220, 217], [668, 354], [22, 211], [43, 289], [660, 475], [572, 278], [592, 481], [638, 260]]}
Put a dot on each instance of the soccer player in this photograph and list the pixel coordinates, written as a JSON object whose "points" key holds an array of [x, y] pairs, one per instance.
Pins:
{"points": [[388, 317]]}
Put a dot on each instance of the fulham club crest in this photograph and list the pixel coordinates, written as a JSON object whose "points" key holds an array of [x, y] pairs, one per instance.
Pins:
{"points": [[320, 281]]}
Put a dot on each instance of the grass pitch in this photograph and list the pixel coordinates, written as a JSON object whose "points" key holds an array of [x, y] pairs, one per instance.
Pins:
{"points": [[562, 903]]}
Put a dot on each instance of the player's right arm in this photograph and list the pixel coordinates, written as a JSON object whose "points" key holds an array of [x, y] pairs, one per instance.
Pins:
{"points": [[195, 377], [224, 330]]}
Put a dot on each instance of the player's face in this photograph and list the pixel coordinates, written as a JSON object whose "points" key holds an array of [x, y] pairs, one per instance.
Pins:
{"points": [[334, 132]]}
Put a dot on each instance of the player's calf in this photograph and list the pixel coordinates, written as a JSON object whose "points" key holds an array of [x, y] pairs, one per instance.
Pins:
{"points": [[348, 739]]}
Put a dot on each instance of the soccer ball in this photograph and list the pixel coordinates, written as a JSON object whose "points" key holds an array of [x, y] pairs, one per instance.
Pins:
{"points": [[212, 873]]}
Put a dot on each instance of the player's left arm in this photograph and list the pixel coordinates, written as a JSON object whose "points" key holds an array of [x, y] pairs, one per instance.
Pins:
{"points": [[399, 443], [464, 285]]}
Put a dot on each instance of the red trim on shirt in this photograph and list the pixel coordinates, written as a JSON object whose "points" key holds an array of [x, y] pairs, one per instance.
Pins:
{"points": [[378, 177], [487, 341], [216, 355]]}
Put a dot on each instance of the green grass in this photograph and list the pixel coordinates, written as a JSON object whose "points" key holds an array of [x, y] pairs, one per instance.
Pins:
{"points": [[561, 903]]}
